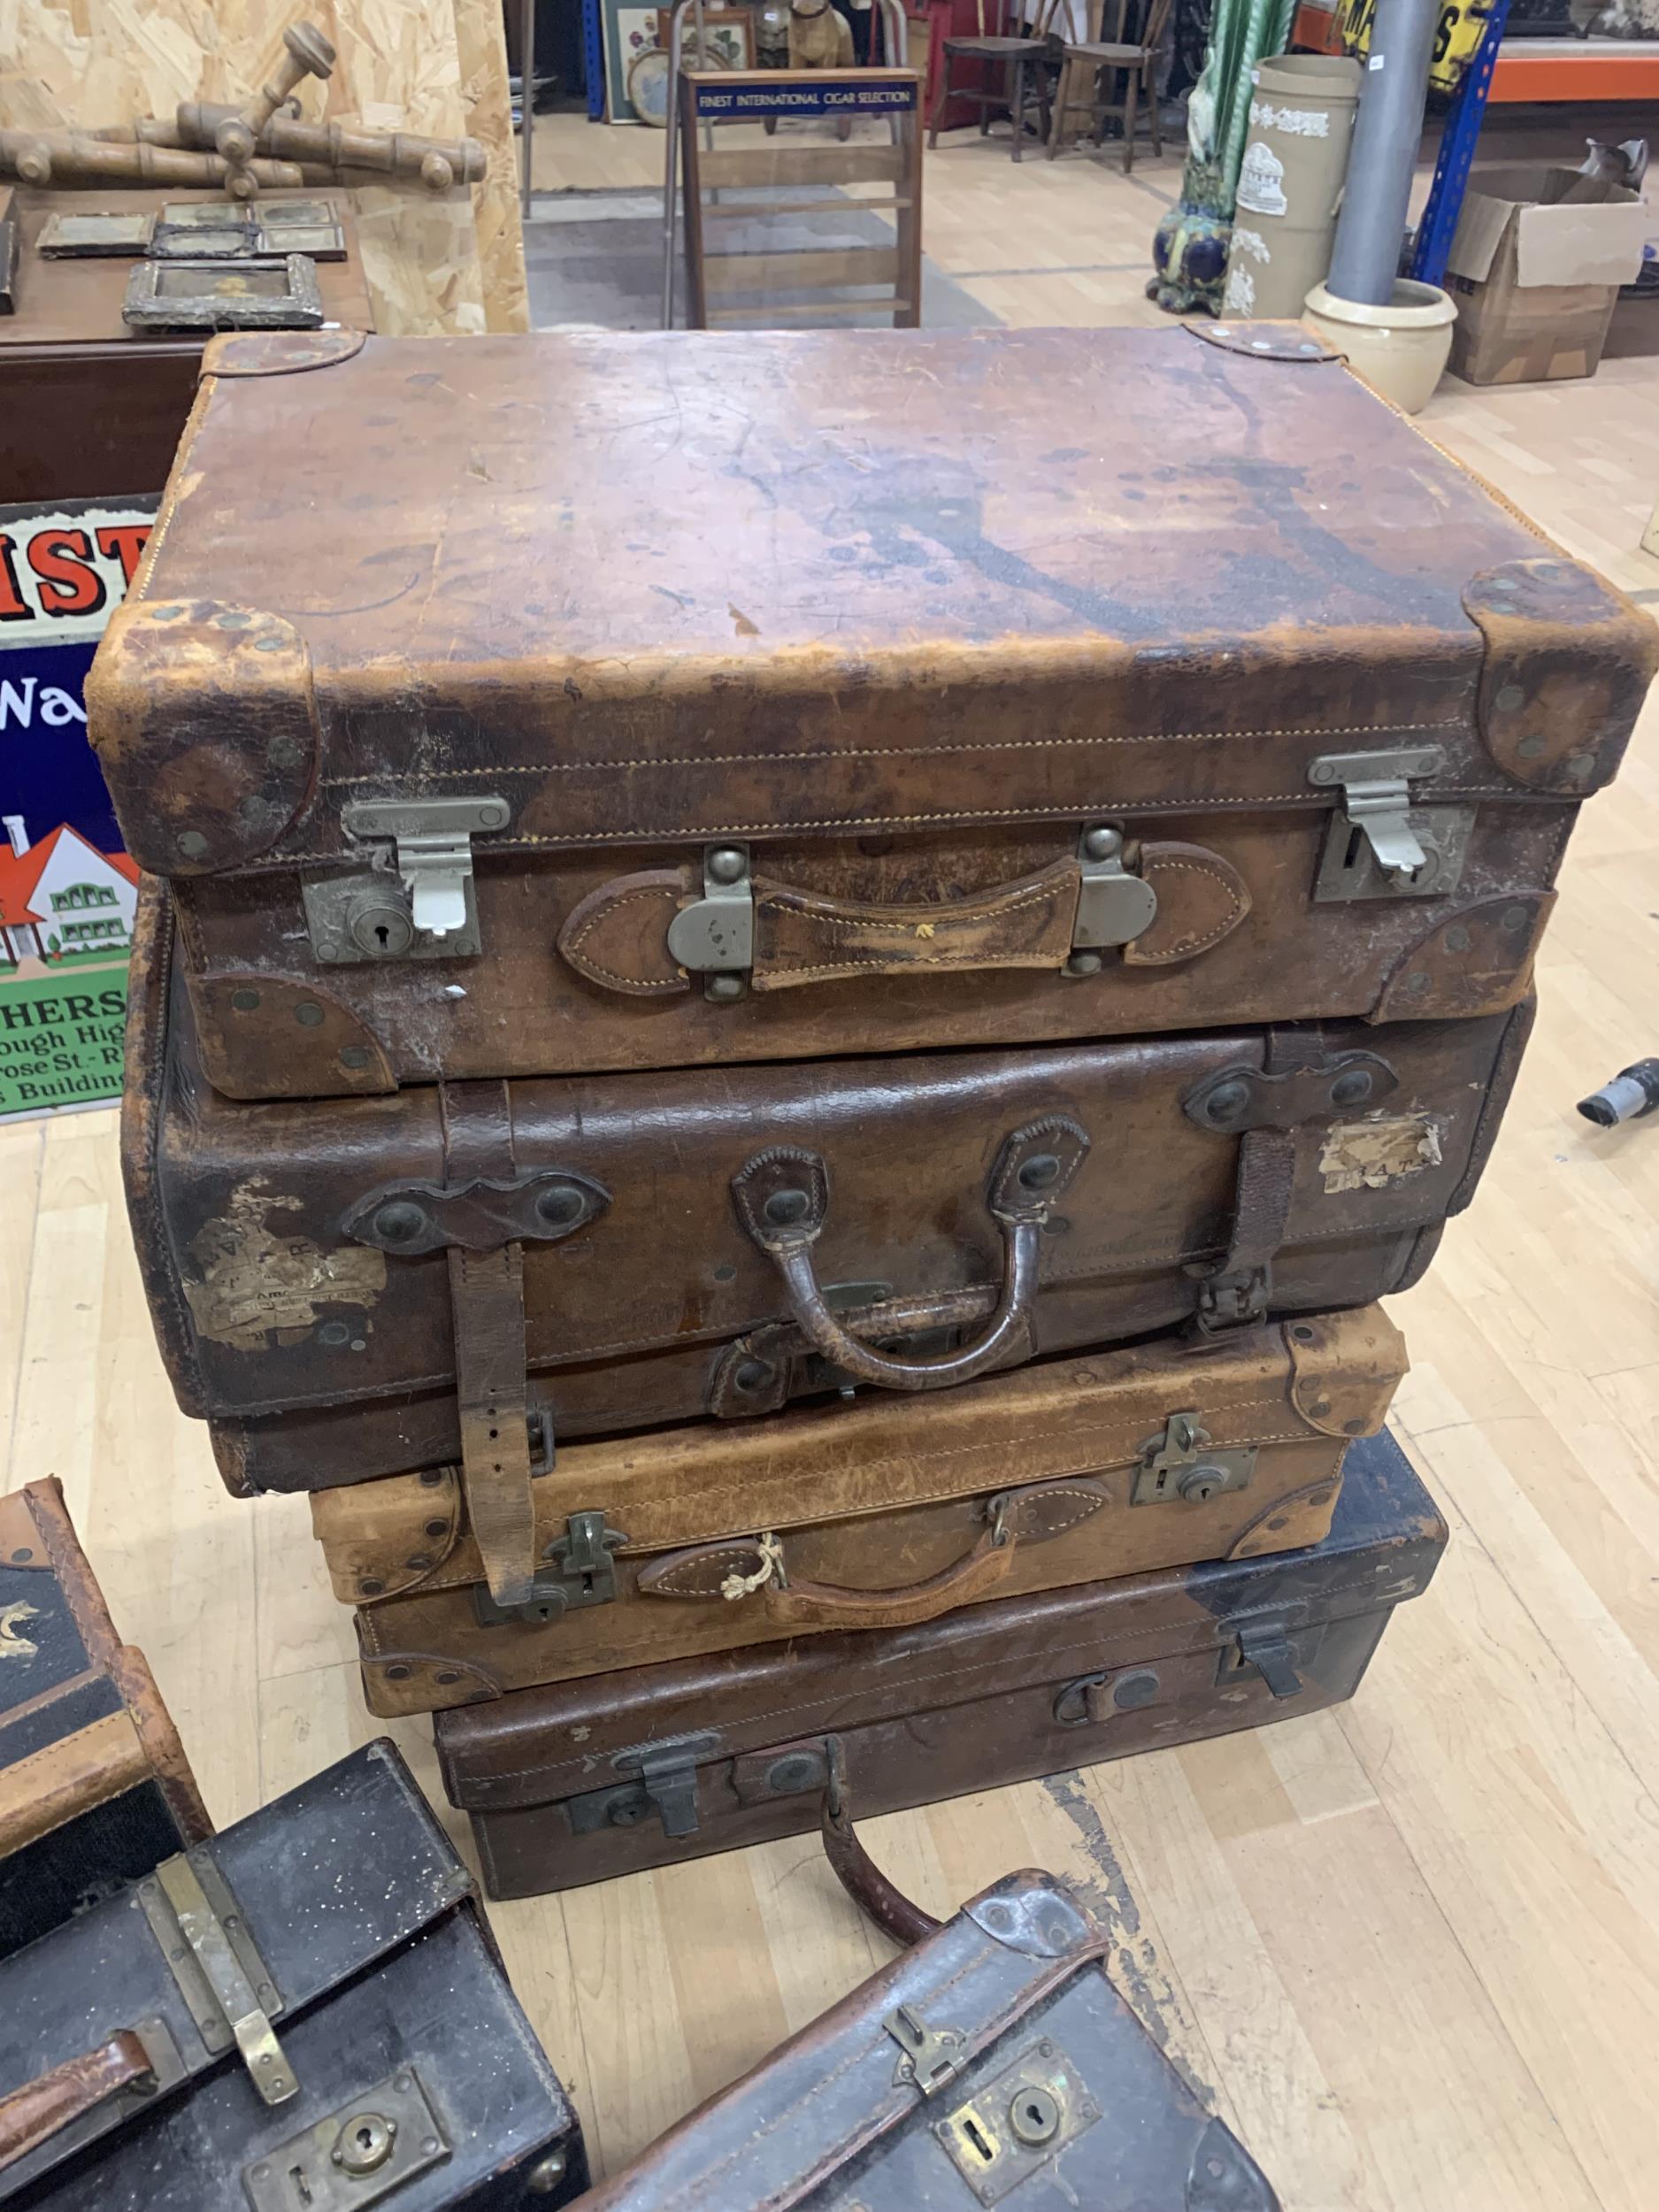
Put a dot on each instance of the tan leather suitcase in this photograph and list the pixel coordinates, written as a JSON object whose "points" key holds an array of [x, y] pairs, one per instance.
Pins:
{"points": [[898, 1511], [509, 707], [370, 1286]]}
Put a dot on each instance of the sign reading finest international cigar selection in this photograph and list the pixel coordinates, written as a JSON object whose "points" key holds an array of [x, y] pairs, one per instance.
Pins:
{"points": [[798, 96]]}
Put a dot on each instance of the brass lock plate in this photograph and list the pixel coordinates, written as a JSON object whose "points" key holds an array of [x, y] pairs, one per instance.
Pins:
{"points": [[1018, 2122], [358, 2155], [1179, 1466]]}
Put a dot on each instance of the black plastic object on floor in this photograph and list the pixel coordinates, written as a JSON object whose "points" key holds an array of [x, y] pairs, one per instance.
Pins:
{"points": [[1631, 1094], [305, 2014]]}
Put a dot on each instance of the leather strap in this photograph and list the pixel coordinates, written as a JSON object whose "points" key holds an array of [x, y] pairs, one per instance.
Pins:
{"points": [[486, 1300], [32, 2115], [875, 1896], [1237, 1293]]}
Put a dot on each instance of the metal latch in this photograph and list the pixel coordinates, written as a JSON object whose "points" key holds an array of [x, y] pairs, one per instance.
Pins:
{"points": [[1113, 907], [359, 2154], [585, 1573], [1379, 845], [930, 2057], [1273, 1650], [667, 1786], [714, 936], [423, 905], [1179, 1465], [220, 1975], [1017, 2122]]}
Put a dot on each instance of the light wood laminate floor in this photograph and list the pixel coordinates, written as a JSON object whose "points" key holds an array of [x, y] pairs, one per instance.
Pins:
{"points": [[1411, 1948]]}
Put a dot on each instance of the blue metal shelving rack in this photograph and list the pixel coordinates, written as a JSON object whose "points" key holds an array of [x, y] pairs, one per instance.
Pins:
{"points": [[1445, 202]]}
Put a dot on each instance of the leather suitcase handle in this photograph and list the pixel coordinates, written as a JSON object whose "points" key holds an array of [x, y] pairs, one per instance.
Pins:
{"points": [[782, 1201], [638, 933], [712, 1571], [879, 1900], [32, 2115]]}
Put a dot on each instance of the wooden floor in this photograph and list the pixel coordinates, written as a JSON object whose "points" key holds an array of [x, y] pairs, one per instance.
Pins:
{"points": [[1411, 1949]]}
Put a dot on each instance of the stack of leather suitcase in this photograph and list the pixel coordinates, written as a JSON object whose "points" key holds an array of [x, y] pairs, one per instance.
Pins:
{"points": [[796, 994]]}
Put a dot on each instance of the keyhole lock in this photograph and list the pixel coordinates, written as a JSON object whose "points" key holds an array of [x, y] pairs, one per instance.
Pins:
{"points": [[1201, 1485], [365, 2143], [380, 924], [1033, 2114]]}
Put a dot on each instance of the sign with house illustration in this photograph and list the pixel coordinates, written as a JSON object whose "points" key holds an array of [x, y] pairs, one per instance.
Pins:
{"points": [[68, 893]]}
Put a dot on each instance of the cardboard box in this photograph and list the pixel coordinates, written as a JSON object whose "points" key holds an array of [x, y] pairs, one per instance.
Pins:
{"points": [[1535, 268]]}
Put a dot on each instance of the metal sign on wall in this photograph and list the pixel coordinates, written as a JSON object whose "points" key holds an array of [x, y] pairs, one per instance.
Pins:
{"points": [[68, 892], [799, 95]]}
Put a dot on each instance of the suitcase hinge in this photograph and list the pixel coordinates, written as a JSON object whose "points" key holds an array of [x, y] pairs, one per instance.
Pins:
{"points": [[1379, 845], [714, 936], [424, 906], [667, 1786], [930, 2057], [585, 1574], [1113, 907], [1179, 1466], [228, 1986]]}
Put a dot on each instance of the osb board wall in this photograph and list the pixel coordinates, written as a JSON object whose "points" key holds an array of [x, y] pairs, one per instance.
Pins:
{"points": [[438, 67]]}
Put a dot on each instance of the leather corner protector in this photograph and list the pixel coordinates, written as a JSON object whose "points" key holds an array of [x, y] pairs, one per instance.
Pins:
{"points": [[278, 352], [1303, 1518], [1202, 899], [399, 1683], [204, 722], [1264, 341], [618, 936], [264, 1036], [22, 1542], [1345, 1368], [1476, 961], [1567, 666]]}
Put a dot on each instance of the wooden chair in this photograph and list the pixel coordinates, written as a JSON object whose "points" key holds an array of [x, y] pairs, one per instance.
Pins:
{"points": [[1089, 60], [1011, 51]]}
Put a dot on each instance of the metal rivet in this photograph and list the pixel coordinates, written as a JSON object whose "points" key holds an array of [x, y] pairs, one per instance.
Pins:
{"points": [[400, 1221], [1084, 964], [192, 844], [432, 1477], [559, 1207], [492, 816], [236, 621], [798, 1770], [1041, 1171], [1353, 1428], [333, 1332], [1132, 1690], [308, 1014], [1322, 772], [1227, 1101], [245, 1002], [544, 2178], [1103, 844], [167, 614], [1457, 938], [726, 864], [418, 1563], [1278, 1521], [24, 1552], [752, 1375], [398, 1672], [1303, 1333], [725, 1273], [1321, 1407], [785, 1208], [1580, 764], [437, 1528], [354, 1056], [1509, 696], [370, 1585], [1529, 748], [1352, 1086], [272, 643], [724, 988], [1418, 981], [448, 1675], [1514, 918]]}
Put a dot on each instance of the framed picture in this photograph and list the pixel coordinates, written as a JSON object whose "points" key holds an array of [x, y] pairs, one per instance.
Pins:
{"points": [[631, 32]]}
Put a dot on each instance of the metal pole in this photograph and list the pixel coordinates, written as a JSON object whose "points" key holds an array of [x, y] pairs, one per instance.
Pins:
{"points": [[1371, 228], [527, 68], [671, 182]]}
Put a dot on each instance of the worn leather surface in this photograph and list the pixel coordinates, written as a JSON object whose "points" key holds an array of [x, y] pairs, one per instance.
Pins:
{"points": [[30, 2116], [887, 1505], [1021, 648], [265, 1306]]}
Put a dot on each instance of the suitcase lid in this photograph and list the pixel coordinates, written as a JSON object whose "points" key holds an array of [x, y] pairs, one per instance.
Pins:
{"points": [[925, 2076], [1035, 1437], [612, 588], [539, 1745], [271, 1916]]}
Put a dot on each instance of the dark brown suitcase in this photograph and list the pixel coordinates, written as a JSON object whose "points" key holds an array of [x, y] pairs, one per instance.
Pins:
{"points": [[94, 1785], [584, 1780], [708, 1538], [888, 721], [992, 2063], [309, 1266]]}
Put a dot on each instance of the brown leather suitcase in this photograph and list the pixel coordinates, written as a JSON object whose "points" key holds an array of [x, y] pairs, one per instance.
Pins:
{"points": [[908, 726], [993, 2063], [708, 1539], [354, 1288], [582, 1781], [94, 1785]]}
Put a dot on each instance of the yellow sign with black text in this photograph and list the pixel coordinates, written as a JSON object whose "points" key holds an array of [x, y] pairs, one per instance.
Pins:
{"points": [[1457, 36]]}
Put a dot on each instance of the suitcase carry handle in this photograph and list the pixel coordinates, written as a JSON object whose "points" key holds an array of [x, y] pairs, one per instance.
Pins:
{"points": [[1031, 1516], [856, 1870], [782, 1201], [32, 2115]]}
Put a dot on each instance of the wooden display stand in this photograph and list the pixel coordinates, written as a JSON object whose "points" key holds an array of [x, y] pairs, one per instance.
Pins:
{"points": [[725, 283]]}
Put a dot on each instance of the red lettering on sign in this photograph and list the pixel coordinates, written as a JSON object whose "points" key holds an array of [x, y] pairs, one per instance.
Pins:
{"points": [[125, 544], [69, 583], [14, 606]]}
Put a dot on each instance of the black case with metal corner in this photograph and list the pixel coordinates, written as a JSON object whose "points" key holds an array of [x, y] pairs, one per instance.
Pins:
{"points": [[304, 2014]]}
